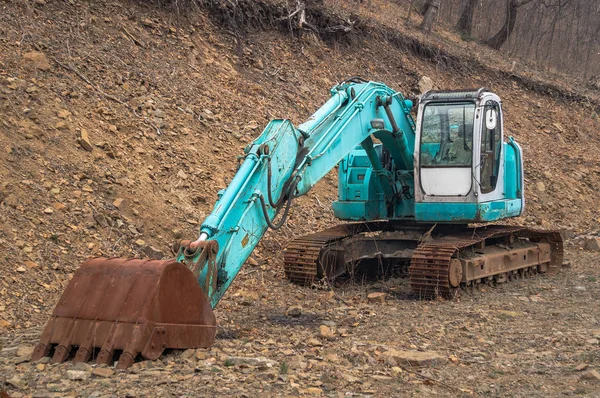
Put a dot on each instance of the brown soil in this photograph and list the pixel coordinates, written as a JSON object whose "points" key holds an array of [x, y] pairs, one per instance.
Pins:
{"points": [[168, 102]]}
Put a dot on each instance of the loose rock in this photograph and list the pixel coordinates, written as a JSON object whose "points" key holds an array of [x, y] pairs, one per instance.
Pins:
{"points": [[415, 358], [592, 243], [25, 351], [326, 333], [425, 84], [187, 354], [294, 311], [39, 60], [376, 297], [314, 391], [591, 375], [17, 383], [260, 362], [103, 372], [84, 141], [78, 375], [252, 262], [581, 367], [153, 252], [396, 371], [540, 186], [63, 113]]}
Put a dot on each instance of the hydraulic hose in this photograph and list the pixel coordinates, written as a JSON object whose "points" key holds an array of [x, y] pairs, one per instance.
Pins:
{"points": [[269, 195], [290, 198]]}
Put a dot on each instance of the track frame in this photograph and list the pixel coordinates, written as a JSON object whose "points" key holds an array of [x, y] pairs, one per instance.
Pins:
{"points": [[443, 259]]}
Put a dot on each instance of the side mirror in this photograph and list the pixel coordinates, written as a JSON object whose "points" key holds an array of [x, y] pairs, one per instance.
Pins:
{"points": [[491, 119]]}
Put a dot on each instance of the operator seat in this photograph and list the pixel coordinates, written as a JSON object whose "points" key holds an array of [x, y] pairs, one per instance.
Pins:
{"points": [[460, 152]]}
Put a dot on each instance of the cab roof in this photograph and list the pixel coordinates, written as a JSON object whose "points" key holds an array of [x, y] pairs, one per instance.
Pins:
{"points": [[453, 95]]}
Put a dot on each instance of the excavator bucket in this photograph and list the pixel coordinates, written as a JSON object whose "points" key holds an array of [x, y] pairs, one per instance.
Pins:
{"points": [[127, 307]]}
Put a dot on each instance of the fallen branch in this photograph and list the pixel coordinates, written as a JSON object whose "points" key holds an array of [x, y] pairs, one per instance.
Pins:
{"points": [[292, 14], [435, 381], [340, 28], [300, 11], [132, 37], [303, 22], [194, 68]]}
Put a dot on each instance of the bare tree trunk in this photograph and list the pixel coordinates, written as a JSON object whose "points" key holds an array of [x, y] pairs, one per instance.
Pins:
{"points": [[531, 34], [425, 7], [512, 7], [410, 7], [577, 48], [561, 62], [550, 46], [591, 51], [430, 15], [465, 22]]}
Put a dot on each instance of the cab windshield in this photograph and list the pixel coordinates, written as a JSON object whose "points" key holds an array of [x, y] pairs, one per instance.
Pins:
{"points": [[447, 135]]}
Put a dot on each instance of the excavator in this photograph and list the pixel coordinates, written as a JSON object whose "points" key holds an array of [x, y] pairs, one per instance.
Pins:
{"points": [[419, 198]]}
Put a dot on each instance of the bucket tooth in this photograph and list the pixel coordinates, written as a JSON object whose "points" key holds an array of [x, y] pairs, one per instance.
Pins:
{"points": [[105, 357], [126, 359], [41, 350], [130, 352], [83, 354], [63, 350], [61, 353], [134, 306]]}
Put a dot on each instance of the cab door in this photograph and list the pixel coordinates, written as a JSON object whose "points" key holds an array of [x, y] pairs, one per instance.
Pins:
{"points": [[490, 169]]}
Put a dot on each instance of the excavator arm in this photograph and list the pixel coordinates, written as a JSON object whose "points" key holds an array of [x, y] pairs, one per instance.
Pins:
{"points": [[285, 162], [133, 308]]}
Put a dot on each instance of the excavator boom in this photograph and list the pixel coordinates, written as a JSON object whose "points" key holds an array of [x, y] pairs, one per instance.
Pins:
{"points": [[285, 162]]}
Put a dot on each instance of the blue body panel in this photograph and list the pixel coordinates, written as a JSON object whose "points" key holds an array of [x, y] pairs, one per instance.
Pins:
{"points": [[513, 172], [360, 193], [447, 212]]}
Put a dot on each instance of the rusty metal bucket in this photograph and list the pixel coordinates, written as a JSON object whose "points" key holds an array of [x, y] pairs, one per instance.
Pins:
{"points": [[136, 307]]}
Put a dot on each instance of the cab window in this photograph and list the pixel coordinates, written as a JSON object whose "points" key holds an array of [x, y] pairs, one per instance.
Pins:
{"points": [[447, 135]]}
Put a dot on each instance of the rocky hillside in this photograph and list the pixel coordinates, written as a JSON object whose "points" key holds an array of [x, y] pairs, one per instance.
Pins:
{"points": [[120, 121]]}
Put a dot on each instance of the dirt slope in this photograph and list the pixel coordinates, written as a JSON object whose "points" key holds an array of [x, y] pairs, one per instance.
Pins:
{"points": [[168, 103]]}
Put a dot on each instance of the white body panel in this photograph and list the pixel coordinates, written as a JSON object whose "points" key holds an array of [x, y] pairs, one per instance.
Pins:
{"points": [[446, 181]]}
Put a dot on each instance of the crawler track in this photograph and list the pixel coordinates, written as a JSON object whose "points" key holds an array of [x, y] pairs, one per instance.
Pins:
{"points": [[434, 269], [441, 263], [303, 256]]}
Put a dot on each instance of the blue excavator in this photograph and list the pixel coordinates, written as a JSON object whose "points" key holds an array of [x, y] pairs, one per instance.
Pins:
{"points": [[419, 199]]}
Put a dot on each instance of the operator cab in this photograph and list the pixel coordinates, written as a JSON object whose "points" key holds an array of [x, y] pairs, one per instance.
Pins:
{"points": [[461, 163]]}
